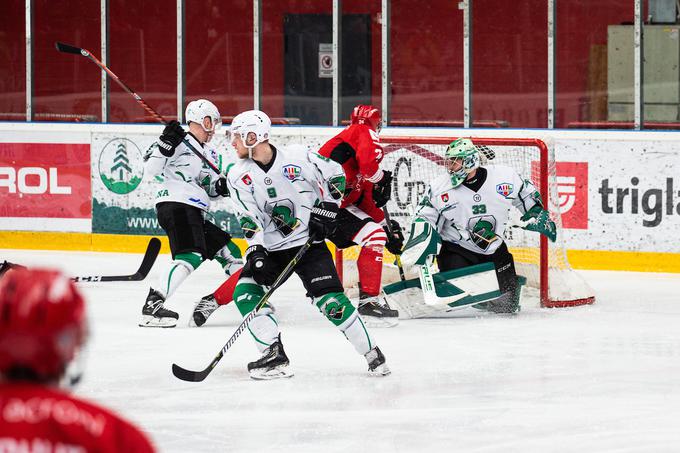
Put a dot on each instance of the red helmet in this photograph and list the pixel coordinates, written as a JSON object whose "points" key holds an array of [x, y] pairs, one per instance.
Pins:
{"points": [[42, 323], [366, 114]]}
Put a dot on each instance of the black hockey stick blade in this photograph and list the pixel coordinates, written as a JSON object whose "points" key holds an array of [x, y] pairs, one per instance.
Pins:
{"points": [[67, 48], [149, 259], [191, 376]]}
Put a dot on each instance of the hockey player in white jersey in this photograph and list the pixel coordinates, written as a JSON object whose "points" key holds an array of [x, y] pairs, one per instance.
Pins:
{"points": [[282, 198], [463, 215], [186, 186]]}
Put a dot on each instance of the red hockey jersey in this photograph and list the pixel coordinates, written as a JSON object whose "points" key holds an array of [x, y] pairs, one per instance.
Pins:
{"points": [[37, 418], [357, 148]]}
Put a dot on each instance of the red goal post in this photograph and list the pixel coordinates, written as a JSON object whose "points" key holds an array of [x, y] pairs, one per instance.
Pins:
{"points": [[416, 160]]}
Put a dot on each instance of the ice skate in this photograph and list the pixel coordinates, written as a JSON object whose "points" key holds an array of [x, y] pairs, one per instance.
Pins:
{"points": [[202, 311], [154, 314], [273, 364], [375, 311], [376, 363]]}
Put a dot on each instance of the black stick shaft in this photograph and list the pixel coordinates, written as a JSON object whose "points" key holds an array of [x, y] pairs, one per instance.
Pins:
{"points": [[397, 257]]}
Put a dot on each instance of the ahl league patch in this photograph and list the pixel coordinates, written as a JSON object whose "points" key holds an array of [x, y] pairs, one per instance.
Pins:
{"points": [[246, 179], [292, 172], [504, 189]]}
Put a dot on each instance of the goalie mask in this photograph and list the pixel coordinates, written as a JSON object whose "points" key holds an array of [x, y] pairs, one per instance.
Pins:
{"points": [[368, 115], [43, 326], [251, 121], [197, 111], [462, 151]]}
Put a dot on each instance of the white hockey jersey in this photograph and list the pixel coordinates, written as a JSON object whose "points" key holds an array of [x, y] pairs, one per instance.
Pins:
{"points": [[184, 177], [273, 206], [457, 212]]}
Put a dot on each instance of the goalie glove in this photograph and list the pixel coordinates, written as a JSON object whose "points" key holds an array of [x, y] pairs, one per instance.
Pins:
{"points": [[538, 219], [423, 241]]}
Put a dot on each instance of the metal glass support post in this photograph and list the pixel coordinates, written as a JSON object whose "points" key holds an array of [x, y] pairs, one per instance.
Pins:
{"points": [[104, 40], [337, 62], [180, 61], [386, 77], [467, 63], [551, 63], [638, 81], [257, 54], [29, 61]]}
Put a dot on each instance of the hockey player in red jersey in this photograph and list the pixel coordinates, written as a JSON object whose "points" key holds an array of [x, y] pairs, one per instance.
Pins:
{"points": [[42, 330], [368, 188], [357, 148]]}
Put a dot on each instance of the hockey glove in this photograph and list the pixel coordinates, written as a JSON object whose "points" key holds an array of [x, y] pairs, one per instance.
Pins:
{"points": [[221, 187], [260, 266], [322, 220], [395, 238], [382, 190], [538, 219], [172, 136]]}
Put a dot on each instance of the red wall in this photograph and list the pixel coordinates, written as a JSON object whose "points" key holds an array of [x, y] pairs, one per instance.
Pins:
{"points": [[509, 62]]}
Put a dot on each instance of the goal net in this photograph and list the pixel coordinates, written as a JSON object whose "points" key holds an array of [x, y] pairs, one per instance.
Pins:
{"points": [[415, 161]]}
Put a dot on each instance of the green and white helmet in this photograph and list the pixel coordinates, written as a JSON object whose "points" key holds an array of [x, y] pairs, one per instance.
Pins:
{"points": [[467, 152]]}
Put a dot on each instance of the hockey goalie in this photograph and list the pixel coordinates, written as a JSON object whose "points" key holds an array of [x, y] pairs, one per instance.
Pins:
{"points": [[458, 227]]}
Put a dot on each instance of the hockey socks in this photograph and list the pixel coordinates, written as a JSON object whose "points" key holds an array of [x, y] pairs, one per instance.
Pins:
{"points": [[264, 328], [339, 310], [180, 268], [225, 293]]}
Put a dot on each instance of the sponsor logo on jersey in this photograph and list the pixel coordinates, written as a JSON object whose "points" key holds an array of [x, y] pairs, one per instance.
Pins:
{"points": [[292, 172], [504, 189], [445, 197], [268, 180], [121, 167], [477, 197], [246, 179]]}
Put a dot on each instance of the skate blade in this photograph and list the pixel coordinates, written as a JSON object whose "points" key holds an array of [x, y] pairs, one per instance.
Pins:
{"points": [[380, 371], [150, 321], [275, 373], [372, 321]]}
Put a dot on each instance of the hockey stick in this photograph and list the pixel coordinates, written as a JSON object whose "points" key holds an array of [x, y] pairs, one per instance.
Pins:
{"points": [[397, 257], [198, 376], [147, 263], [67, 48]]}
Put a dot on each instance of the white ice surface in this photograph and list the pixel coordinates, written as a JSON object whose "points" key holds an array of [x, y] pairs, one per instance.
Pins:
{"points": [[603, 378]]}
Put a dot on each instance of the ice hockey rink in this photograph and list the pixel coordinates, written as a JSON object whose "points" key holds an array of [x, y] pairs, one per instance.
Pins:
{"points": [[602, 378]]}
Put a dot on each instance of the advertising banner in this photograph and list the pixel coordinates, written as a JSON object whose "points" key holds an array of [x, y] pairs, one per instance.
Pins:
{"points": [[124, 196], [45, 187]]}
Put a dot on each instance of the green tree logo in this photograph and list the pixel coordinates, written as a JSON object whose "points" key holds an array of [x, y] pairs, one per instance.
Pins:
{"points": [[121, 167]]}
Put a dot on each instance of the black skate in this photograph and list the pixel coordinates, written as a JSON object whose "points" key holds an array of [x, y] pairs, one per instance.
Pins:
{"points": [[375, 311], [154, 314], [272, 365], [204, 308], [376, 363]]}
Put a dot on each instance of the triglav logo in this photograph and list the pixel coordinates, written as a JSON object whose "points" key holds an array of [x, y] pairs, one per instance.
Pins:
{"points": [[121, 167]]}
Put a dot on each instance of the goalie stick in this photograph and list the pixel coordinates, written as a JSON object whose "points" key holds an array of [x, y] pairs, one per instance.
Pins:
{"points": [[198, 376], [67, 48], [147, 263]]}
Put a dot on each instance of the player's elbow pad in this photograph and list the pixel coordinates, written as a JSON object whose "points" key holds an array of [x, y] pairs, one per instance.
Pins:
{"points": [[423, 241]]}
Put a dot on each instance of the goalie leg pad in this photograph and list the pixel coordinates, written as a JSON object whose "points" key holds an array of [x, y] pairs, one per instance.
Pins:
{"points": [[339, 310], [264, 327]]}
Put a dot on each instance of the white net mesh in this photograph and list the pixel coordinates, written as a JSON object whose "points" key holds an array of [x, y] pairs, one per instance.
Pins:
{"points": [[415, 162]]}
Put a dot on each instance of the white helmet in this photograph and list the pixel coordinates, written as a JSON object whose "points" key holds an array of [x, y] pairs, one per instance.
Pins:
{"points": [[197, 111], [254, 121]]}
